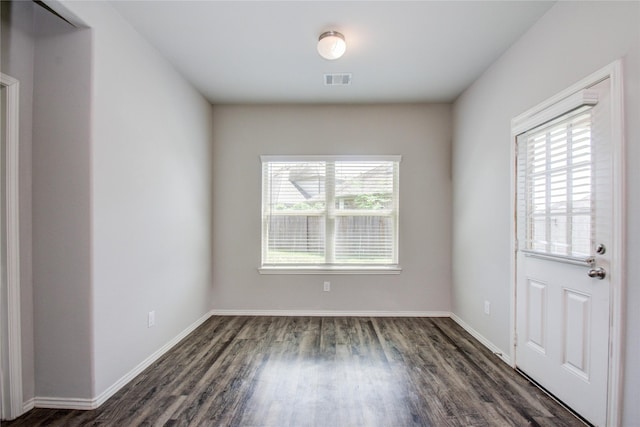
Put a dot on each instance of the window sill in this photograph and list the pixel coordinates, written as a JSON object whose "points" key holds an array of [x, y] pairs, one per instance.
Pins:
{"points": [[396, 269]]}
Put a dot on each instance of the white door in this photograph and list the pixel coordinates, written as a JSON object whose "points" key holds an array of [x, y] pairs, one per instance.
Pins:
{"points": [[564, 228]]}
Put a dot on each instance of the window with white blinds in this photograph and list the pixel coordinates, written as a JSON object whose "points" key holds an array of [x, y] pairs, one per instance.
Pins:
{"points": [[324, 211], [556, 183]]}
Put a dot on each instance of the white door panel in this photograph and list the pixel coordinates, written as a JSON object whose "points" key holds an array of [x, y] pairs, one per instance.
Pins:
{"points": [[564, 340]]}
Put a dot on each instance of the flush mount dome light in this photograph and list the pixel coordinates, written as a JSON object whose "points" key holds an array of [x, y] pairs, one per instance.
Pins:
{"points": [[331, 45]]}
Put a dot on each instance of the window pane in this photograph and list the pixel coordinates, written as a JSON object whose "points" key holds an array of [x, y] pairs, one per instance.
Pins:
{"points": [[558, 233], [581, 235], [364, 185], [364, 239], [296, 186], [538, 239], [296, 239]]}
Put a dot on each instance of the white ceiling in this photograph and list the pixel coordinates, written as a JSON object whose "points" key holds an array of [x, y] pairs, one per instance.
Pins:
{"points": [[265, 51]]}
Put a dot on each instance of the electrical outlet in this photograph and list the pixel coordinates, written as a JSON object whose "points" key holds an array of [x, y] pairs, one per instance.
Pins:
{"points": [[487, 308], [327, 286], [151, 319]]}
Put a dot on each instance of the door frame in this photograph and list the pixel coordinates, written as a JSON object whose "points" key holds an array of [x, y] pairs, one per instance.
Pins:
{"points": [[12, 381], [617, 312]]}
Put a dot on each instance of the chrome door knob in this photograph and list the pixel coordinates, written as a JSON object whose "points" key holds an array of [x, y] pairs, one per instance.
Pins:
{"points": [[598, 273]]}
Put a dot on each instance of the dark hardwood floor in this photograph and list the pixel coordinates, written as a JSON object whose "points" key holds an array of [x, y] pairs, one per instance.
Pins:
{"points": [[322, 371]]}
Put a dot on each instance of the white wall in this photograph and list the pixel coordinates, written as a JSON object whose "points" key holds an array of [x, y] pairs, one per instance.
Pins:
{"points": [[420, 133], [121, 198], [573, 40], [151, 193], [62, 209]]}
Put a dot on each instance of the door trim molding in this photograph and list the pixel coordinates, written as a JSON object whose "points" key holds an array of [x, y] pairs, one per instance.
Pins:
{"points": [[615, 373], [14, 350]]}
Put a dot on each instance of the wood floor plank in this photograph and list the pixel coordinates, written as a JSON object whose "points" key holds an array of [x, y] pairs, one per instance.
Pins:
{"points": [[322, 371]]}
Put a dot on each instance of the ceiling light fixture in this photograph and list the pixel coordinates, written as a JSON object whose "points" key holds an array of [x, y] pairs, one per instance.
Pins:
{"points": [[331, 45]]}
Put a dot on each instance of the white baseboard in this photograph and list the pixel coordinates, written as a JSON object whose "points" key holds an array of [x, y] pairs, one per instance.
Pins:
{"points": [[64, 403], [329, 313], [477, 335], [87, 404], [28, 405]]}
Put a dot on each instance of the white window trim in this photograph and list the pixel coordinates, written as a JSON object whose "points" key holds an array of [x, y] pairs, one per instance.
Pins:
{"points": [[338, 269], [330, 268], [335, 158]]}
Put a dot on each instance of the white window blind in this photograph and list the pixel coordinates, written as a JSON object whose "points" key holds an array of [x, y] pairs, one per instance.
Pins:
{"points": [[330, 211], [556, 183]]}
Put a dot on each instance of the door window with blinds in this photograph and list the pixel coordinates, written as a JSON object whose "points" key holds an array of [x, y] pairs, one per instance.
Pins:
{"points": [[330, 211], [556, 182]]}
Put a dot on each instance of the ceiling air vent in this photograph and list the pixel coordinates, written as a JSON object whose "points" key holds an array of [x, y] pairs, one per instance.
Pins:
{"points": [[339, 79]]}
